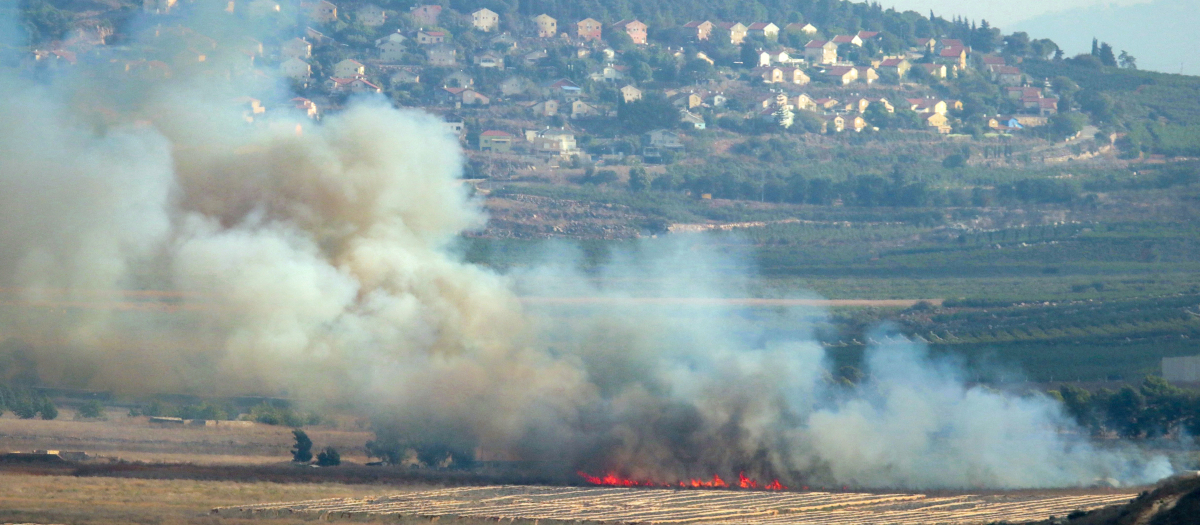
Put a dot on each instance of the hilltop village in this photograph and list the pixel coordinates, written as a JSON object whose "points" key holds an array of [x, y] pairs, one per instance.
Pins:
{"points": [[540, 91]]}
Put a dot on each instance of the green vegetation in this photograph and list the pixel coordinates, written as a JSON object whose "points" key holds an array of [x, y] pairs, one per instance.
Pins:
{"points": [[302, 450], [329, 457], [26, 403], [1152, 409], [273, 414], [1158, 113], [91, 409]]}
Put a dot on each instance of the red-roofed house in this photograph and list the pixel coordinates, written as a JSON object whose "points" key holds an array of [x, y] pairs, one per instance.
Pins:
{"points": [[323, 12], [352, 85], [951, 42], [867, 74], [847, 39], [899, 66], [992, 60], [841, 74], [463, 97], [588, 29], [1008, 75], [1021, 93], [737, 31], [801, 27], [699, 30], [927, 105], [305, 105], [766, 30], [426, 14], [349, 68], [867, 35], [496, 141], [782, 75], [428, 38], [826, 103], [1047, 106], [485, 20], [956, 56], [820, 52], [937, 121], [635, 29], [927, 44], [547, 26], [934, 70]]}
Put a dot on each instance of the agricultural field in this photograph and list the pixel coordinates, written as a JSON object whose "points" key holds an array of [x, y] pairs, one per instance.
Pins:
{"points": [[625, 505], [105, 501], [135, 439]]}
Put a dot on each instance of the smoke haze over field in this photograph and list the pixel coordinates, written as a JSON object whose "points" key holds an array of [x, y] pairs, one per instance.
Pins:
{"points": [[314, 259]]}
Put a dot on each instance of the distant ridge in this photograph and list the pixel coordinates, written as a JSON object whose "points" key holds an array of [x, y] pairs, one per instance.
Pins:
{"points": [[1161, 34]]}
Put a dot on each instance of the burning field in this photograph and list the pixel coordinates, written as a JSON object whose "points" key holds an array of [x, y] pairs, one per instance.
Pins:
{"points": [[325, 255], [641, 505]]}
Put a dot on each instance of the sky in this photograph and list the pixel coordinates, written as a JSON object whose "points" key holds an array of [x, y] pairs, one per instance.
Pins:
{"points": [[1159, 33], [1003, 13]]}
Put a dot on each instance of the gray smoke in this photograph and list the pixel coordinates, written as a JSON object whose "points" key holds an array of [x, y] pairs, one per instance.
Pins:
{"points": [[154, 241]]}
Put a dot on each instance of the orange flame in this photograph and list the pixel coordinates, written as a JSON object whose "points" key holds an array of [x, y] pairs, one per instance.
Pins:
{"points": [[716, 482], [614, 480]]}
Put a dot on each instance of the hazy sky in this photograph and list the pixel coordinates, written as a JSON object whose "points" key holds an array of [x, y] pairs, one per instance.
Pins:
{"points": [[998, 13]]}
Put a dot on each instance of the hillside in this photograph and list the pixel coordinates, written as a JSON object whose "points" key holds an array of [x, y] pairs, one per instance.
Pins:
{"points": [[1141, 29]]}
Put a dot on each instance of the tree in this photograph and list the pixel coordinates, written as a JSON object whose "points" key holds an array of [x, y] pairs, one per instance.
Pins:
{"points": [[92, 409], [23, 408], [985, 38], [619, 40], [641, 71], [1066, 125], [302, 450], [329, 457], [1017, 44], [47, 410], [695, 71], [783, 116], [1106, 55], [637, 180], [42, 21], [877, 115], [749, 55], [1044, 48], [1127, 60], [652, 111]]}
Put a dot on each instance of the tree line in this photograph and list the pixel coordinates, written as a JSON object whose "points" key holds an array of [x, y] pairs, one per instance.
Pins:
{"points": [[1155, 408]]}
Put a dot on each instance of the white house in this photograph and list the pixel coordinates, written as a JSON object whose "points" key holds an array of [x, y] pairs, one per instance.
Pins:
{"points": [[371, 15], [391, 48], [349, 68], [295, 68], [296, 48], [485, 20]]}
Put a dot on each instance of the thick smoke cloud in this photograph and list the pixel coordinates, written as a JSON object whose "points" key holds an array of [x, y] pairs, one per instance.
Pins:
{"points": [[315, 260]]}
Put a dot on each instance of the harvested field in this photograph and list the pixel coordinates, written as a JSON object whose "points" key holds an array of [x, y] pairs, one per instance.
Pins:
{"points": [[625, 505], [136, 439], [111, 501]]}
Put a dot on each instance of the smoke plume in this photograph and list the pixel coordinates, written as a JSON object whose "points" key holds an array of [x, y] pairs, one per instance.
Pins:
{"points": [[154, 241]]}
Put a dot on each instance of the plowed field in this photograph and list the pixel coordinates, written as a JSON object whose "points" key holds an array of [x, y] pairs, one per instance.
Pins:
{"points": [[649, 506]]}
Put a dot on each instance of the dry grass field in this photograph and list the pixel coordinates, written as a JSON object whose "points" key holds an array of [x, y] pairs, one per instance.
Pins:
{"points": [[43, 499], [574, 505], [179, 474], [136, 439]]}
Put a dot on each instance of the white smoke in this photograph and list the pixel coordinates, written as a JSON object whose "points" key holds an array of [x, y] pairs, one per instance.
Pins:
{"points": [[318, 263]]}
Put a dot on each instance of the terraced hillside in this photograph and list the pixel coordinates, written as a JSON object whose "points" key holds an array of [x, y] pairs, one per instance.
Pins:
{"points": [[715, 507]]}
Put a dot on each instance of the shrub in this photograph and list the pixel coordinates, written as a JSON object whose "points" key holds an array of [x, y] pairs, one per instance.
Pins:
{"points": [[302, 450], [329, 457], [47, 410], [91, 409]]}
